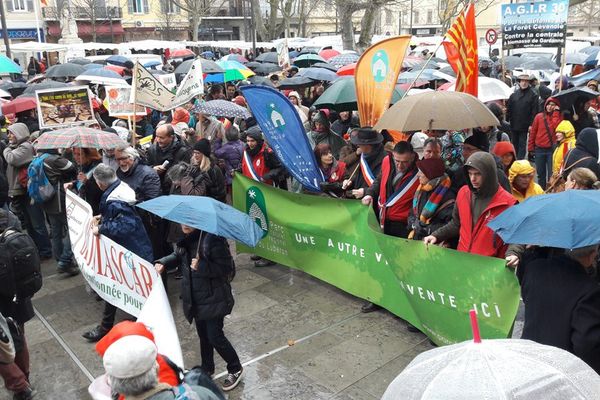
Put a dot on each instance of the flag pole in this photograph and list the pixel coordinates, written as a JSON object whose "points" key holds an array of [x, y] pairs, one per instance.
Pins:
{"points": [[135, 74], [562, 68]]}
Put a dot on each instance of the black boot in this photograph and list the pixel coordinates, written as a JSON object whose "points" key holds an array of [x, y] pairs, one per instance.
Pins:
{"points": [[95, 334], [26, 394], [369, 307]]}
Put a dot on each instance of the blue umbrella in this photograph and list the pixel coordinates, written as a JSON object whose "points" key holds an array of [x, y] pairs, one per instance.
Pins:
{"points": [[294, 54], [207, 54], [151, 64], [206, 214], [92, 66], [409, 77], [561, 220], [582, 79], [318, 74], [117, 60]]}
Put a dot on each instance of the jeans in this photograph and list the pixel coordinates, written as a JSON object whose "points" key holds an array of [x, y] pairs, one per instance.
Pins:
{"points": [[211, 336], [543, 165], [59, 235], [519, 139], [33, 220]]}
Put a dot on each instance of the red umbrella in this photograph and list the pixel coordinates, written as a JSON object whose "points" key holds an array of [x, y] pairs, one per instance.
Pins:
{"points": [[347, 70], [328, 53], [116, 68], [19, 105], [181, 53]]}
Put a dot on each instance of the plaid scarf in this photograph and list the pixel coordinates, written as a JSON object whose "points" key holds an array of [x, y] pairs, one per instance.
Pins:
{"points": [[438, 186]]}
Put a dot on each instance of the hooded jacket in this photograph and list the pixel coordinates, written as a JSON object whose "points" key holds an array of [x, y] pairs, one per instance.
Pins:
{"points": [[564, 146], [121, 223], [541, 137], [585, 153], [17, 156], [523, 167], [327, 136], [503, 148], [475, 208]]}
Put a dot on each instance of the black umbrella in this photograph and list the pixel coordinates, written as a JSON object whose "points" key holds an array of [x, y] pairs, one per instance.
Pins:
{"points": [[253, 64], [14, 88], [448, 71], [569, 97], [64, 71], [261, 81], [208, 67], [296, 82], [267, 68], [539, 63], [270, 57], [325, 66], [44, 85]]}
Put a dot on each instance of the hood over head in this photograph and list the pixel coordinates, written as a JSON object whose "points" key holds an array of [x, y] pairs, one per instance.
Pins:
{"points": [[519, 167], [20, 130], [587, 141], [485, 163], [502, 148], [567, 129]]}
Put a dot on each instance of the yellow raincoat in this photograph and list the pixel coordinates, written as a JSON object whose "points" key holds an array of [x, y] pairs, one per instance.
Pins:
{"points": [[523, 167], [564, 146]]}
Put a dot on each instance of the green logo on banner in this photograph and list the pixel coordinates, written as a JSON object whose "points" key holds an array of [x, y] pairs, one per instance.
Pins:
{"points": [[380, 65], [257, 209]]}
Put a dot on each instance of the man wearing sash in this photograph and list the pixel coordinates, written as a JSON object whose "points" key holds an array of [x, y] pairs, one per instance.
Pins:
{"points": [[371, 156]]}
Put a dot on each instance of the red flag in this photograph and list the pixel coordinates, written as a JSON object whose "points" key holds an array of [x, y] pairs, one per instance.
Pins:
{"points": [[44, 2], [461, 51]]}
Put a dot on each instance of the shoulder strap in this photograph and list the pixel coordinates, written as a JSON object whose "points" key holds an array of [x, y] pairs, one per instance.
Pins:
{"points": [[548, 130]]}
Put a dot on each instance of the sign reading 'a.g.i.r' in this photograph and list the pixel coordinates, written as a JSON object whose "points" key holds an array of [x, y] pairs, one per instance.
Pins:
{"points": [[537, 24]]}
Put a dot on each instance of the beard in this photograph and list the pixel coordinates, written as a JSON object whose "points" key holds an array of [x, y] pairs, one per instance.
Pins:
{"points": [[125, 169]]}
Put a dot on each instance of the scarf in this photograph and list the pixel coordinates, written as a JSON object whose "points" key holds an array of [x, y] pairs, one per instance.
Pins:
{"points": [[328, 171], [438, 186]]}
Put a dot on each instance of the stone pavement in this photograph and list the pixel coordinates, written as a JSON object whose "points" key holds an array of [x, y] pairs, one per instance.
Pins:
{"points": [[339, 353]]}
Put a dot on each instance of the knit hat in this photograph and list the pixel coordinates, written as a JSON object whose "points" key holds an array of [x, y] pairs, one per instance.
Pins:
{"points": [[180, 115], [432, 167], [502, 148], [255, 133], [203, 146], [129, 357], [240, 101], [480, 141]]}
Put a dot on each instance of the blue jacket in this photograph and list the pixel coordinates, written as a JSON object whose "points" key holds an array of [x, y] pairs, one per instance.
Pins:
{"points": [[231, 153], [143, 179], [121, 223]]}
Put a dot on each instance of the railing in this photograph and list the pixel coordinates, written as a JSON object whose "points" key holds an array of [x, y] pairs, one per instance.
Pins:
{"points": [[85, 13]]}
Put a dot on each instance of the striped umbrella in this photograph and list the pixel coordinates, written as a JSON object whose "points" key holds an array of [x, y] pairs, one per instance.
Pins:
{"points": [[79, 136], [222, 108], [233, 71], [343, 59]]}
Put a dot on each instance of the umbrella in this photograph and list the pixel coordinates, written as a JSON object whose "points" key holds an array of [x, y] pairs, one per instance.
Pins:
{"points": [[560, 220], [19, 105], [235, 57], [410, 76], [489, 89], [152, 64], [80, 61], [577, 80], [318, 74], [270, 57], [343, 59], [207, 54], [233, 71], [347, 70], [590, 50], [296, 82], [206, 214], [254, 64], [31, 89], [14, 88], [437, 111], [102, 76], [341, 96], [308, 50], [116, 68], [260, 80], [306, 60], [181, 53], [293, 54], [329, 53], [79, 136], [267, 68], [222, 108], [512, 62], [36, 79], [117, 60], [8, 66], [569, 97], [495, 370], [575, 58], [208, 67], [92, 66], [539, 63], [325, 66], [64, 71]]}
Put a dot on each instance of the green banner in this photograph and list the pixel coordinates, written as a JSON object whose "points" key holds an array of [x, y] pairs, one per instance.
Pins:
{"points": [[339, 242]]}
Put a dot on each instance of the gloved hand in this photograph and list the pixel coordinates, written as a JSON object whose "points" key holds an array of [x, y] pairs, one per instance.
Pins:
{"points": [[531, 156]]}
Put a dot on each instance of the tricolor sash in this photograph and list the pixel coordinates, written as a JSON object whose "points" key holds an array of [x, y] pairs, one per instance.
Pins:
{"points": [[366, 171], [408, 181], [248, 168]]}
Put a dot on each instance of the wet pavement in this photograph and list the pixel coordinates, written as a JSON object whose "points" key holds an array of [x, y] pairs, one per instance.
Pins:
{"points": [[298, 337]]}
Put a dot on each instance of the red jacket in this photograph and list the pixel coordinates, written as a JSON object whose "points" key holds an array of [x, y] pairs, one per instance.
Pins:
{"points": [[258, 165], [478, 238], [400, 209], [539, 137]]}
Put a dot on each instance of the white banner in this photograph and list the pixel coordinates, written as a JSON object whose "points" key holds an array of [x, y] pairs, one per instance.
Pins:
{"points": [[283, 56], [168, 80], [192, 85], [149, 92], [119, 276]]}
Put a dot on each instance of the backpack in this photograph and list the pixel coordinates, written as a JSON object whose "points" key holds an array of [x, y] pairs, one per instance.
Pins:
{"points": [[20, 270], [39, 188]]}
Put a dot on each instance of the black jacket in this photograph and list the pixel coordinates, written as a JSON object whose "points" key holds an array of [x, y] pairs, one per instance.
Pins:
{"points": [[143, 179], [177, 152], [205, 292], [58, 171], [521, 108], [375, 165], [585, 146], [562, 306]]}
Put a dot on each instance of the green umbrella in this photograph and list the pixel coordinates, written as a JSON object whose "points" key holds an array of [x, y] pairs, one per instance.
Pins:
{"points": [[341, 96], [8, 66], [306, 60]]}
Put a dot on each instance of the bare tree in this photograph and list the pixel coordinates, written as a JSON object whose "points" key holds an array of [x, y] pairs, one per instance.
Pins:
{"points": [[196, 10], [171, 21], [306, 8], [93, 10], [585, 14], [448, 10]]}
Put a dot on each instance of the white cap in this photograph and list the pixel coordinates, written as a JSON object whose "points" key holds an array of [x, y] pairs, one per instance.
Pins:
{"points": [[129, 357], [418, 141]]}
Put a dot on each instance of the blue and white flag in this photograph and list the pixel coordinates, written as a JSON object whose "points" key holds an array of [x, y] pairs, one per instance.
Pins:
{"points": [[281, 125]]}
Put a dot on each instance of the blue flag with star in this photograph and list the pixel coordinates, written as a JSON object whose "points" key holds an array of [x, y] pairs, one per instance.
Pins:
{"points": [[283, 130]]}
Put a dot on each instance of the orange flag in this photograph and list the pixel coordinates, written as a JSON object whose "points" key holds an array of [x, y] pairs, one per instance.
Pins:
{"points": [[461, 51], [375, 77]]}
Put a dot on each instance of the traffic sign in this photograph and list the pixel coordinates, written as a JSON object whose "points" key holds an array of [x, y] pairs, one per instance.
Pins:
{"points": [[491, 36]]}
